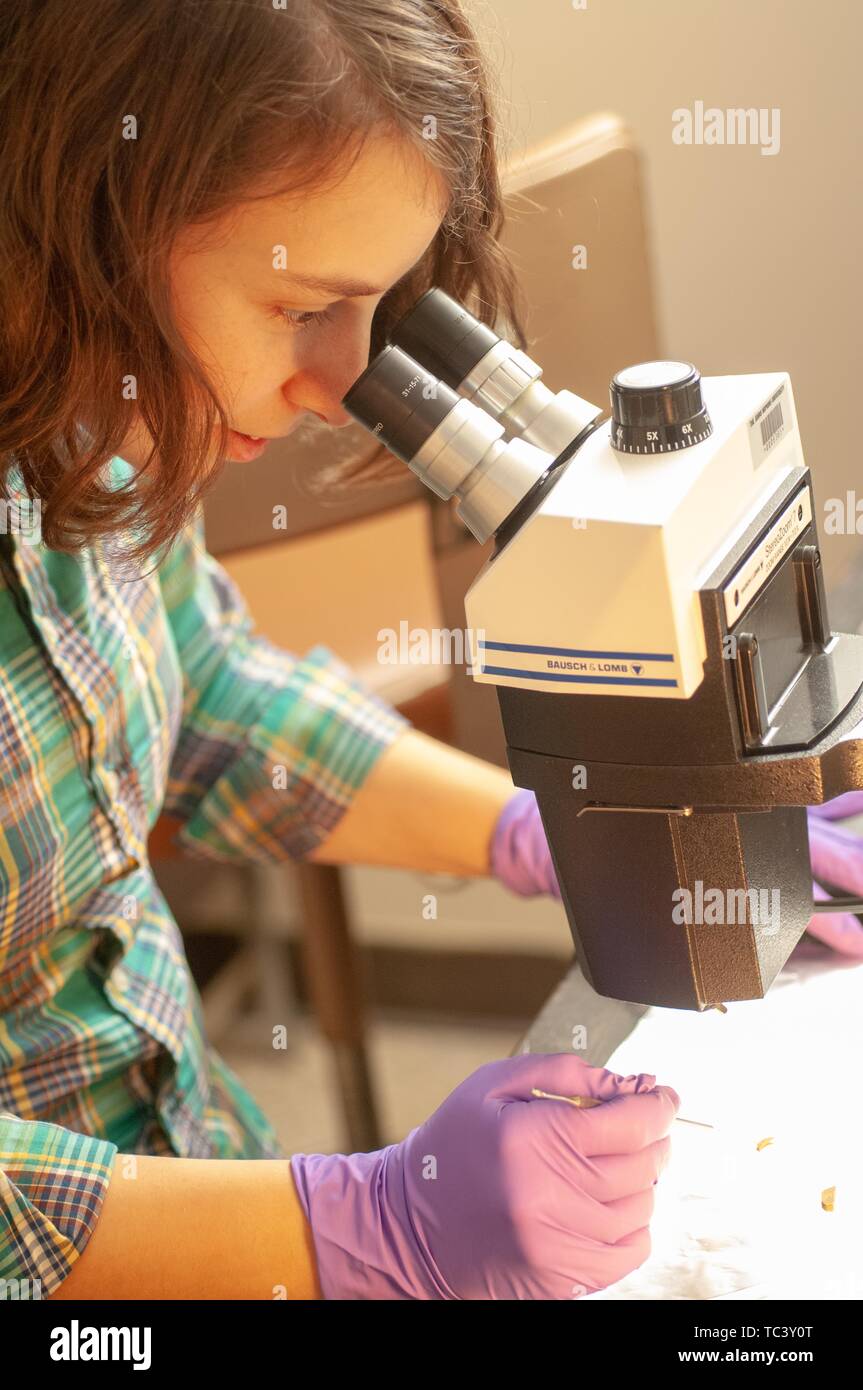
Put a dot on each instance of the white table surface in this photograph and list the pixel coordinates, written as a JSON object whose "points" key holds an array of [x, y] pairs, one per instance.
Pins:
{"points": [[732, 1221]]}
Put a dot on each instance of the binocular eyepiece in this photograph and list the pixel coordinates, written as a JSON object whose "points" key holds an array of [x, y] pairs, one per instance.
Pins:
{"points": [[443, 395]]}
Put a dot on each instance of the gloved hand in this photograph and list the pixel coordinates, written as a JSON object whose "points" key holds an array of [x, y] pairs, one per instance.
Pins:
{"points": [[520, 857], [836, 856], [499, 1195], [840, 808]]}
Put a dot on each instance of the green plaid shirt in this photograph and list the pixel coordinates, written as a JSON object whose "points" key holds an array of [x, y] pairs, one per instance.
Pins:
{"points": [[122, 696]]}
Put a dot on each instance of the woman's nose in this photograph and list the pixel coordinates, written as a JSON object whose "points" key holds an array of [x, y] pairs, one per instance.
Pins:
{"points": [[321, 384], [306, 393]]}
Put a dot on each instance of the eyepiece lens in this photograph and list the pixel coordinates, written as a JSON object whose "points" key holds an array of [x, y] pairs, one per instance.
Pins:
{"points": [[399, 401], [444, 336]]}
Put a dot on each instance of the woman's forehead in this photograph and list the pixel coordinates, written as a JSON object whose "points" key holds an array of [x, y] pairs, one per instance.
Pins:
{"points": [[370, 226]]}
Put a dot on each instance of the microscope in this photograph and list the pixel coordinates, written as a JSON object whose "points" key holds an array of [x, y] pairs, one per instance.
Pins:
{"points": [[654, 619]]}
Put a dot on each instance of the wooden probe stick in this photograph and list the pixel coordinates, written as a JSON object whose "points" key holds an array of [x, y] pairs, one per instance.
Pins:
{"points": [[588, 1102]]}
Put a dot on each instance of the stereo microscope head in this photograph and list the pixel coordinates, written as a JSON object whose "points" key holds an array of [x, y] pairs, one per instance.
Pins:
{"points": [[654, 620]]}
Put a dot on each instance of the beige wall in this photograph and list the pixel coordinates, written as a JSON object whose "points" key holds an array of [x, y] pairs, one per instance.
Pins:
{"points": [[755, 256]]}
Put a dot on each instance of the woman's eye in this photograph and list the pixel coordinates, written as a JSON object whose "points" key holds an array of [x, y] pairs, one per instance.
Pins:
{"points": [[304, 318]]}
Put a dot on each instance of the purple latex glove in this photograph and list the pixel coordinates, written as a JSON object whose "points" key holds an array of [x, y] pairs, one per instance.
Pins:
{"points": [[520, 856], [836, 856], [840, 808], [500, 1195]]}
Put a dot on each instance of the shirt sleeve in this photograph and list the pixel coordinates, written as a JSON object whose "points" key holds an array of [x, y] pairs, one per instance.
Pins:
{"points": [[273, 747], [52, 1185]]}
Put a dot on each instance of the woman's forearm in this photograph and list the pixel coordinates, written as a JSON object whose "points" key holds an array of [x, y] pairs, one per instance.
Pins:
{"points": [[178, 1228], [425, 806]]}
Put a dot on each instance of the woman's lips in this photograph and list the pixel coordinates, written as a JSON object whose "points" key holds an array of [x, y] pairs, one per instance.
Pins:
{"points": [[245, 447]]}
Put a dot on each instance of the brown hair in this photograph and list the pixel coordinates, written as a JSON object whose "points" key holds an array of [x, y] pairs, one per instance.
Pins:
{"points": [[224, 97]]}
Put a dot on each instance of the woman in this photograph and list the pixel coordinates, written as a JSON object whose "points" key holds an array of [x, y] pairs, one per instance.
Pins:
{"points": [[211, 212]]}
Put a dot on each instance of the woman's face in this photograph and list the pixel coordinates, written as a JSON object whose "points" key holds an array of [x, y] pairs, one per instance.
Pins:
{"points": [[277, 299]]}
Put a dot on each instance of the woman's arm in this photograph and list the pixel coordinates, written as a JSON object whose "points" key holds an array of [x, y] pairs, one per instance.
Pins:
{"points": [[177, 1228], [424, 805]]}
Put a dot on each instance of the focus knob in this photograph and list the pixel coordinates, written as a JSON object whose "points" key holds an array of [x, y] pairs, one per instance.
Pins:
{"points": [[657, 407]]}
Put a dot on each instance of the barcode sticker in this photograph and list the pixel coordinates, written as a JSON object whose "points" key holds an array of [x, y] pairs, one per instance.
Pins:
{"points": [[770, 424]]}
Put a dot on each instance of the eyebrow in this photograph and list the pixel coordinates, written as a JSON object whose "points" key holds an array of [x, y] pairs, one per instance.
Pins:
{"points": [[344, 289]]}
